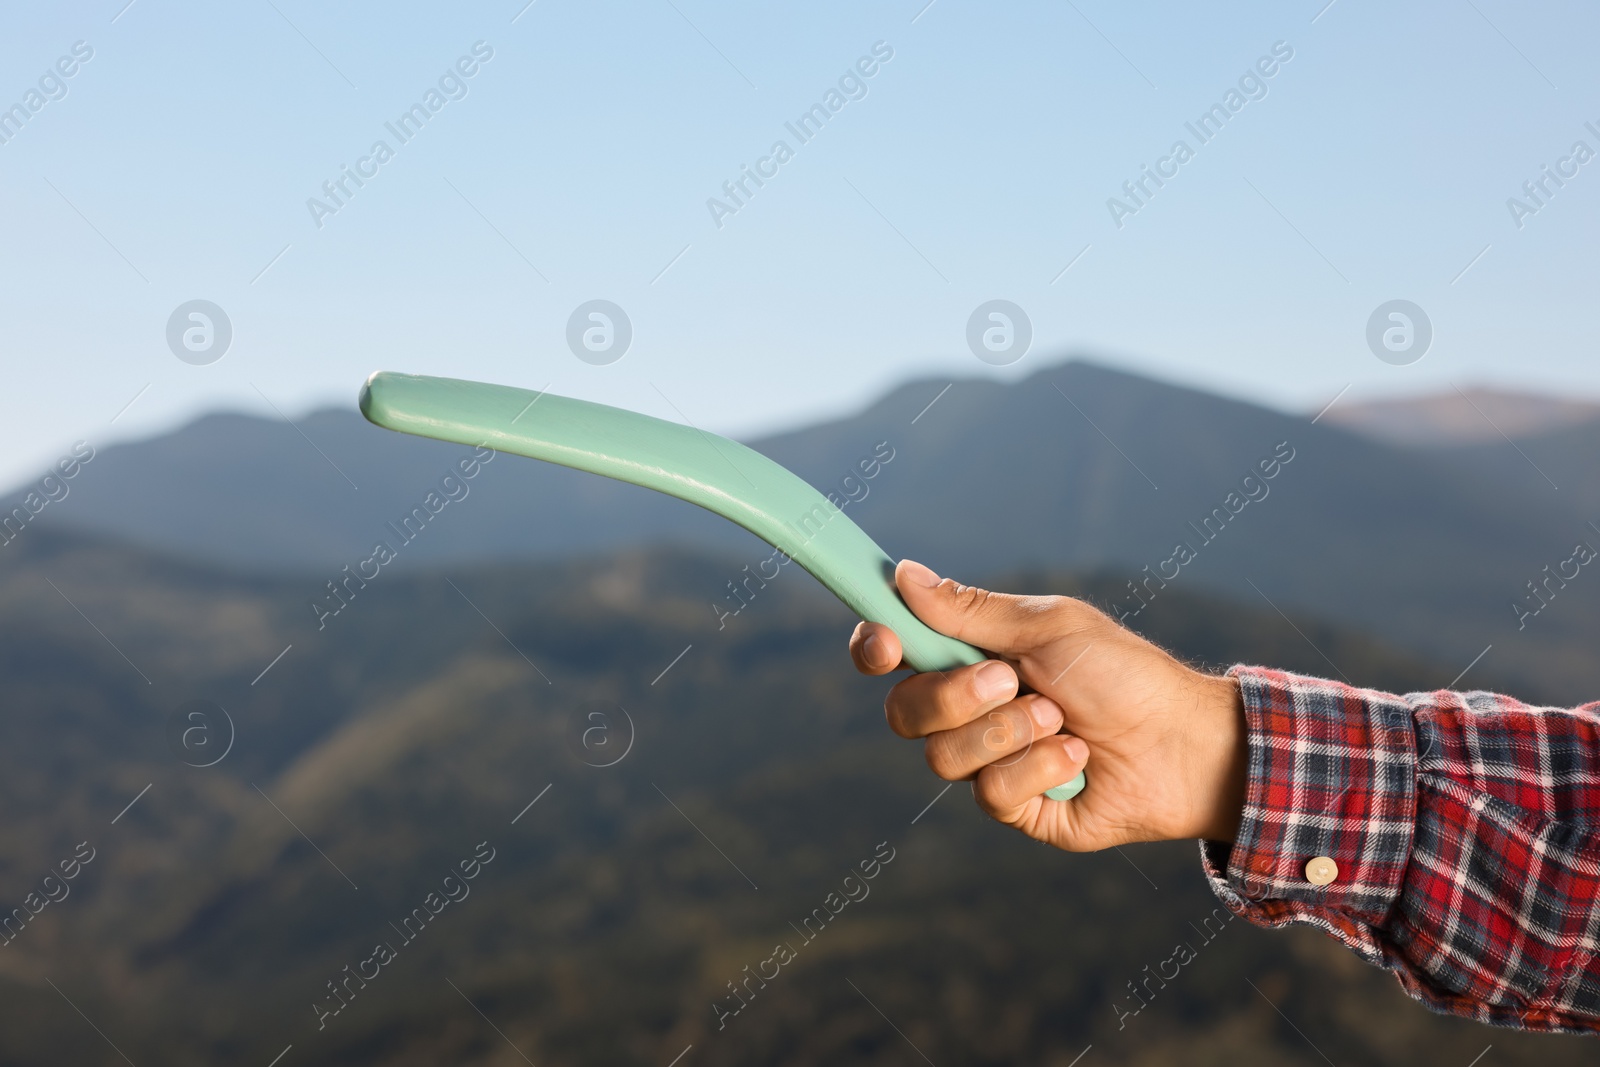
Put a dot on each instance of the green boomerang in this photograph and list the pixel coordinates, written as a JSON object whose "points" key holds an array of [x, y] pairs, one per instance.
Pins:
{"points": [[719, 475]]}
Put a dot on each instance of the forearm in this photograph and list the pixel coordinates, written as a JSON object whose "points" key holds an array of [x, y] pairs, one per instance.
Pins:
{"points": [[1465, 833]]}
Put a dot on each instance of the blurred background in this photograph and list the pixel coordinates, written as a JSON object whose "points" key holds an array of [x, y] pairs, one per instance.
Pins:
{"points": [[1059, 275]]}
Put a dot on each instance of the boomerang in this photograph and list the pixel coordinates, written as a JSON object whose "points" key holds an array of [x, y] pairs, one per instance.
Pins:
{"points": [[722, 476]]}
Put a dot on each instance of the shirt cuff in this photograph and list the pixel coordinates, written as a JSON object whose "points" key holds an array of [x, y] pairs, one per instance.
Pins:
{"points": [[1332, 776]]}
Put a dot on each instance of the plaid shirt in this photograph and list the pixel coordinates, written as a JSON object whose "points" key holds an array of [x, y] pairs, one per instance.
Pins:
{"points": [[1465, 827]]}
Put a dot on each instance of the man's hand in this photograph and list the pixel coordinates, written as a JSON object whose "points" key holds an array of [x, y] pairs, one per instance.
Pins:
{"points": [[1165, 745]]}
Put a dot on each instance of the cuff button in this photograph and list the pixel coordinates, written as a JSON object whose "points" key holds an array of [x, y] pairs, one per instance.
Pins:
{"points": [[1321, 871]]}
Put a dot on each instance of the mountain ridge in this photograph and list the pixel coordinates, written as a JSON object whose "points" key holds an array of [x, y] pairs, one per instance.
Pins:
{"points": [[1078, 466]]}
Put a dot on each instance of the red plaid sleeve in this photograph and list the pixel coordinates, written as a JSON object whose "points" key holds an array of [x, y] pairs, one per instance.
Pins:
{"points": [[1466, 832]]}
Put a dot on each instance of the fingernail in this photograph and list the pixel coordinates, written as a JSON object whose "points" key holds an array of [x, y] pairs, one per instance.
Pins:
{"points": [[1045, 713], [994, 681], [872, 651], [1077, 751], [917, 574]]}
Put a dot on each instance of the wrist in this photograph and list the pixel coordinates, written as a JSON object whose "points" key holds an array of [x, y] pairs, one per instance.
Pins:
{"points": [[1224, 766]]}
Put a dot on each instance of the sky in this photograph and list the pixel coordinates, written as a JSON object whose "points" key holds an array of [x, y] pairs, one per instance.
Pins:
{"points": [[184, 159]]}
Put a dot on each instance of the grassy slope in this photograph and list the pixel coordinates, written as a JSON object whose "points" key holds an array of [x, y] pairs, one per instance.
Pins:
{"points": [[411, 729]]}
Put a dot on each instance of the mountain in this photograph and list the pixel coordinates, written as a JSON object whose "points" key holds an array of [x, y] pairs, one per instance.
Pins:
{"points": [[450, 717], [1465, 417], [1077, 467]]}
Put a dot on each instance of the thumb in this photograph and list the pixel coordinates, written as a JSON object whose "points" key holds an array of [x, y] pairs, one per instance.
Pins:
{"points": [[995, 622]]}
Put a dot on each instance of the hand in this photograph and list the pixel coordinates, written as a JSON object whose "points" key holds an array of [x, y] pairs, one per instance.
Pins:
{"points": [[1165, 745]]}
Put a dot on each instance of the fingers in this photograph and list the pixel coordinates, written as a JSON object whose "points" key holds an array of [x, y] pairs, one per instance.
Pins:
{"points": [[1009, 791], [993, 738], [998, 622], [927, 703], [875, 648]]}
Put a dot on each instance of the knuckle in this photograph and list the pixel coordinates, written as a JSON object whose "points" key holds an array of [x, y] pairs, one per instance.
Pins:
{"points": [[1068, 615], [972, 599], [968, 600], [893, 714], [1054, 761], [1002, 733], [952, 700], [982, 791], [988, 790], [941, 757], [913, 706], [1059, 607]]}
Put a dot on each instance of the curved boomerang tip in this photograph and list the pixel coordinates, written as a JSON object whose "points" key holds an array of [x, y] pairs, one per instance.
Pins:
{"points": [[365, 400]]}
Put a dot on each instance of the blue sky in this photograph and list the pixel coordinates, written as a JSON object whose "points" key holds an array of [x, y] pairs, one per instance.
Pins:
{"points": [[978, 164]]}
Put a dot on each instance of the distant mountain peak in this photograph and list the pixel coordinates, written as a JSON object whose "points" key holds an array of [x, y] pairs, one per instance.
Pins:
{"points": [[1477, 415]]}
